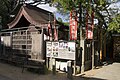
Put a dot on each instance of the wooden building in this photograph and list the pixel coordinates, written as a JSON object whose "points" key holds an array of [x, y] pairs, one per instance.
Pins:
{"points": [[27, 32]]}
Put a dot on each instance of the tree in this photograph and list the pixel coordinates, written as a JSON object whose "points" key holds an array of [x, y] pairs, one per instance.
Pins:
{"points": [[101, 11], [38, 2], [8, 8], [114, 25]]}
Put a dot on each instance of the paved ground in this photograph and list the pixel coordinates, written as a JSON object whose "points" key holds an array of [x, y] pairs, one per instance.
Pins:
{"points": [[109, 72]]}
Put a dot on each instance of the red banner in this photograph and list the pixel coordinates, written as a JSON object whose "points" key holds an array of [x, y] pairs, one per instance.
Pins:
{"points": [[55, 30], [55, 35], [49, 30], [89, 25], [73, 26]]}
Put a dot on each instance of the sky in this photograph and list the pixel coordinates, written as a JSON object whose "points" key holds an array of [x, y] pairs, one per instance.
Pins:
{"points": [[48, 8], [54, 10], [44, 6], [51, 9], [115, 5]]}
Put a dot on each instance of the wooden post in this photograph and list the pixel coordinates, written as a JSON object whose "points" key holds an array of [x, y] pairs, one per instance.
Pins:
{"points": [[0, 45], [101, 45], [54, 66], [50, 59], [69, 74], [42, 44], [93, 54], [82, 43], [105, 46], [47, 64], [26, 43], [74, 72]]}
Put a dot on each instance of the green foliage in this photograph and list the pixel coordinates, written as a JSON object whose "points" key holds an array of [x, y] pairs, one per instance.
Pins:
{"points": [[7, 7], [68, 5], [114, 25], [3, 8], [97, 5], [60, 19]]}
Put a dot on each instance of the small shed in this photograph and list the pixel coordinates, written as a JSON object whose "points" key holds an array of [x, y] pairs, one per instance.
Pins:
{"points": [[27, 32]]}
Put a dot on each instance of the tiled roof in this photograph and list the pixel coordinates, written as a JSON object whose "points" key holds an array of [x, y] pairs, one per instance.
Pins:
{"points": [[33, 15]]}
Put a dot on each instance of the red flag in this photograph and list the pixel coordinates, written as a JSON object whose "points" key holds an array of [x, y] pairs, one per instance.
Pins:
{"points": [[92, 19], [49, 30], [55, 34], [73, 26], [89, 26], [55, 31]]}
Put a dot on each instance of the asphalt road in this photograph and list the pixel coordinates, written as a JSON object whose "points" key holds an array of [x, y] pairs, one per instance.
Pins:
{"points": [[4, 78], [108, 72]]}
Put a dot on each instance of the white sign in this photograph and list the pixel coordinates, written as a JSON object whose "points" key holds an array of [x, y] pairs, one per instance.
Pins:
{"points": [[61, 50], [49, 49], [90, 34]]}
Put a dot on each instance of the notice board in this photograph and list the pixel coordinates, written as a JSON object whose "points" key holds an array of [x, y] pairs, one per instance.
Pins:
{"points": [[61, 50]]}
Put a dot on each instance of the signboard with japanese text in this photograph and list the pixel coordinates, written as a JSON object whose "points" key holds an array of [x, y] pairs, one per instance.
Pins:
{"points": [[73, 26], [61, 50], [49, 49]]}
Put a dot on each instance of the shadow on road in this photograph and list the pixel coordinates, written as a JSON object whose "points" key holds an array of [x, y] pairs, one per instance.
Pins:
{"points": [[87, 78], [4, 77]]}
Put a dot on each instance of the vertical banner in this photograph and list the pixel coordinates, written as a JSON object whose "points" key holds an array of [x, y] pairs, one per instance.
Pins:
{"points": [[55, 35], [73, 26], [89, 25], [55, 30], [49, 30]]}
